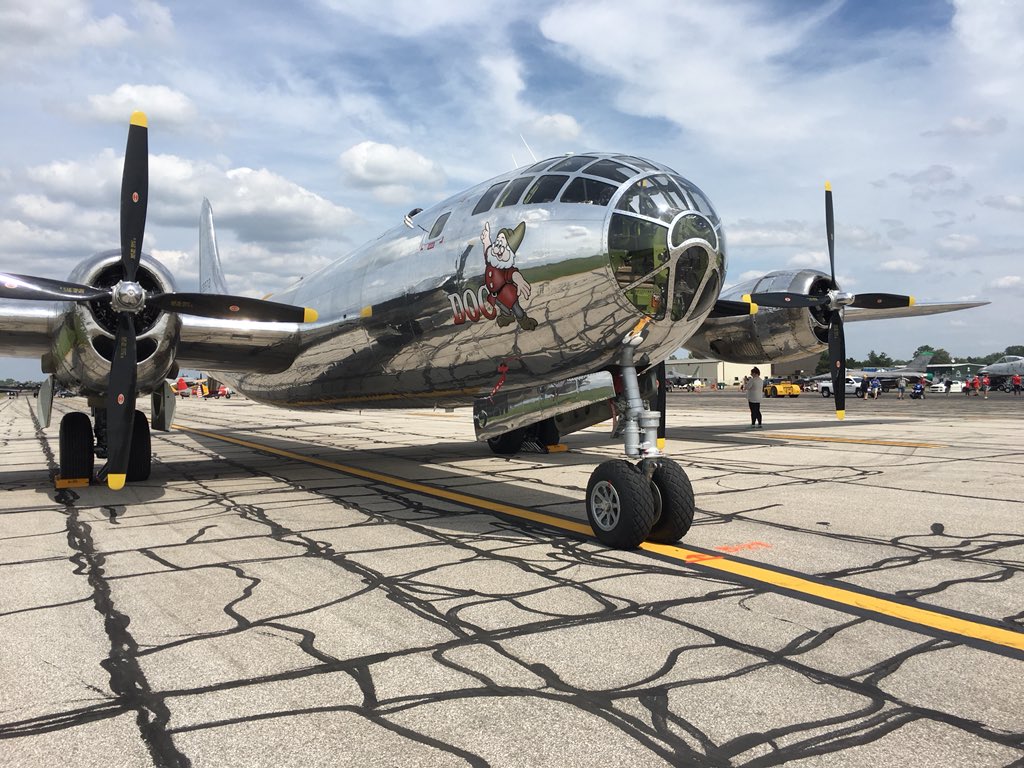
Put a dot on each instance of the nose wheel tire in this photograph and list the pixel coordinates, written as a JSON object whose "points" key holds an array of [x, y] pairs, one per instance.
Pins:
{"points": [[76, 446], [671, 487], [620, 504]]}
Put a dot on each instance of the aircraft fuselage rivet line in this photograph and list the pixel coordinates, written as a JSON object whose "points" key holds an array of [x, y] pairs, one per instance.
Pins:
{"points": [[833, 594]]}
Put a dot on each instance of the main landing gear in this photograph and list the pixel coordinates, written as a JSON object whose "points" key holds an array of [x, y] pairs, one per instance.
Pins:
{"points": [[651, 500], [82, 440]]}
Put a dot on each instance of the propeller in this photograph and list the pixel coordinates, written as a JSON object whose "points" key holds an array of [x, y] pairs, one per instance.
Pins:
{"points": [[127, 298], [833, 301]]}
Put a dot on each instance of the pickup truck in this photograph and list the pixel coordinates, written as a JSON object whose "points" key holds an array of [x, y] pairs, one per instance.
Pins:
{"points": [[852, 386]]}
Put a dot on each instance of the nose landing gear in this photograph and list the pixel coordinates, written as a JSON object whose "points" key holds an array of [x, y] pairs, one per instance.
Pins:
{"points": [[651, 500]]}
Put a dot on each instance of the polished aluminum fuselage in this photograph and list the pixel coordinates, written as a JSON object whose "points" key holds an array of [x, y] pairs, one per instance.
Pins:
{"points": [[397, 315]]}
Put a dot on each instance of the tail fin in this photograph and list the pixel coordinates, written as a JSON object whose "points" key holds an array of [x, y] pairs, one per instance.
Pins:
{"points": [[211, 275], [920, 363]]}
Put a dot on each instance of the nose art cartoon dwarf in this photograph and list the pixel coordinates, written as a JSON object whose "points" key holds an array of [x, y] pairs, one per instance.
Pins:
{"points": [[505, 283]]}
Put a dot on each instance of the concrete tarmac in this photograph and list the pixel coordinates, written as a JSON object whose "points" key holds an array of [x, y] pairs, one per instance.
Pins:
{"points": [[376, 589]]}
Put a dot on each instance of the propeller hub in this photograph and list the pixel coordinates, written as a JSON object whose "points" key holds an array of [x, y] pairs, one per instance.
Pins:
{"points": [[128, 297], [841, 299]]}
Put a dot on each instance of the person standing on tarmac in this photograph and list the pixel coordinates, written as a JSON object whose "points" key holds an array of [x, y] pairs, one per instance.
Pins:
{"points": [[901, 386], [755, 393], [1016, 384]]}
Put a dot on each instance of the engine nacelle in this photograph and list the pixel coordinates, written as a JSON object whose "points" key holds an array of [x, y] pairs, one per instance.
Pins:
{"points": [[771, 335], [83, 347]]}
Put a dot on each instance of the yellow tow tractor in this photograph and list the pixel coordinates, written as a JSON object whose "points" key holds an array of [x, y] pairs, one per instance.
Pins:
{"points": [[781, 388]]}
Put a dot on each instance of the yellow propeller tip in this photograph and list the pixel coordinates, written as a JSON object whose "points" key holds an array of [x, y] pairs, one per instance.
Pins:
{"points": [[828, 186], [309, 315], [116, 482], [746, 298], [840, 415], [911, 302], [366, 311], [753, 308], [139, 118]]}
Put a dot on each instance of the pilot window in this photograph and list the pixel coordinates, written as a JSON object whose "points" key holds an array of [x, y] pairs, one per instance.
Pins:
{"points": [[489, 197], [571, 164], [588, 191], [637, 162], [699, 199], [539, 166], [438, 228], [611, 169], [545, 189], [515, 189]]}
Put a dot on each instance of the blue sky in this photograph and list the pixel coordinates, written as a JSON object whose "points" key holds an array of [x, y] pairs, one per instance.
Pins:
{"points": [[312, 126]]}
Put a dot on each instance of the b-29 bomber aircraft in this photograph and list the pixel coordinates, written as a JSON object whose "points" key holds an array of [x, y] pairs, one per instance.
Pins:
{"points": [[548, 298]]}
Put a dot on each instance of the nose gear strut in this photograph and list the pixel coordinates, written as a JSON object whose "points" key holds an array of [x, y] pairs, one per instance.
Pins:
{"points": [[651, 500]]}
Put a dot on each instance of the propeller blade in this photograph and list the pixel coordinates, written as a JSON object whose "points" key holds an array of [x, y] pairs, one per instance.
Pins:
{"points": [[662, 403], [786, 300], [44, 289], [830, 232], [134, 194], [231, 307], [121, 402], [726, 308], [837, 361], [882, 301]]}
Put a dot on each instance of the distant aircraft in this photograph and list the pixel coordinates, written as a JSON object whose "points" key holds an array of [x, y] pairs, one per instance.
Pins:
{"points": [[912, 371], [548, 298], [1007, 365]]}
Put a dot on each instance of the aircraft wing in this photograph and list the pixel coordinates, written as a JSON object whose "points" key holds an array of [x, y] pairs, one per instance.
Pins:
{"points": [[853, 314], [26, 330]]}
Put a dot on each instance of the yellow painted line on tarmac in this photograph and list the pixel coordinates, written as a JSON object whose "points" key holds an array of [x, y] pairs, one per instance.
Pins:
{"points": [[792, 583], [858, 441], [409, 485], [836, 594]]}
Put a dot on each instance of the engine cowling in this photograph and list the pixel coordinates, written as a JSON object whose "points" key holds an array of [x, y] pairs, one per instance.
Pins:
{"points": [[775, 335], [83, 346]]}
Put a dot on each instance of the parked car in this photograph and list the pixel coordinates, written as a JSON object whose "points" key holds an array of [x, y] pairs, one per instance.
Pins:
{"points": [[954, 386], [852, 387], [781, 388]]}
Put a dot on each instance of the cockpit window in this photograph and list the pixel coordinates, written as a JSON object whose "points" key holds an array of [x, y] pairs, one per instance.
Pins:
{"points": [[637, 162], [511, 195], [589, 191], [655, 196], [539, 166], [545, 189], [489, 197], [639, 259], [570, 164], [435, 231], [611, 169], [699, 199]]}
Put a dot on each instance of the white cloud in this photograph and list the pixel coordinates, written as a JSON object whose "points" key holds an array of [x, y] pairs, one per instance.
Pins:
{"points": [[970, 126], [1008, 202], [36, 29], [392, 173], [901, 266], [1007, 282], [957, 243], [161, 104]]}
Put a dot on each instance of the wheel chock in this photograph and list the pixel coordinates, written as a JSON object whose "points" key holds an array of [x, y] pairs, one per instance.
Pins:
{"points": [[558, 448], [71, 482]]}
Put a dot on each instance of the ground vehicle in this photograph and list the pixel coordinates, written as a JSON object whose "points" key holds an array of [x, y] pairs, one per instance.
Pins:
{"points": [[852, 387], [954, 386], [781, 388]]}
